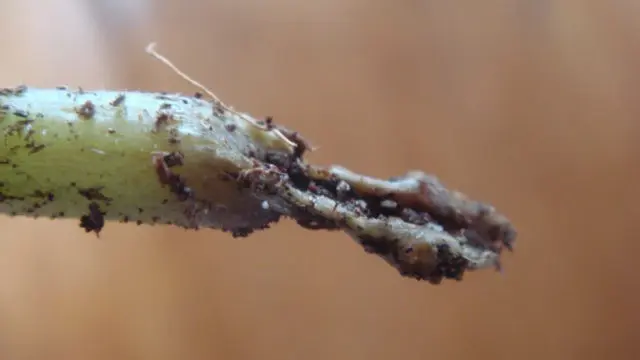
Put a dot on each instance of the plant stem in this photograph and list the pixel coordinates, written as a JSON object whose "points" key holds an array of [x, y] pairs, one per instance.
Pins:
{"points": [[63, 150], [154, 158]]}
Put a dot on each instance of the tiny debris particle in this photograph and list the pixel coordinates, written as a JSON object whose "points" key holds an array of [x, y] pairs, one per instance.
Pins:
{"points": [[87, 110], [269, 122], [174, 158], [4, 197], [163, 118], [241, 232], [62, 87], [167, 177], [36, 148], [94, 220], [197, 95], [301, 144], [343, 188], [93, 193], [118, 100], [28, 136], [43, 195], [176, 183], [231, 127], [218, 110], [173, 136], [20, 89], [162, 170], [21, 113], [5, 160], [111, 131], [179, 187], [388, 204]]}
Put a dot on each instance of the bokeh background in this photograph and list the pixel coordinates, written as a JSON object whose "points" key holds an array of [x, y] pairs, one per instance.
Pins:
{"points": [[530, 105]]}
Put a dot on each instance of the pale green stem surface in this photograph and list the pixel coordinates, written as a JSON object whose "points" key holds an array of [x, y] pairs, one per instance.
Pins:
{"points": [[54, 160]]}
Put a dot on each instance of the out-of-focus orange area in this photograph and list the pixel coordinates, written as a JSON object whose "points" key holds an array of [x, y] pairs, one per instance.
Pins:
{"points": [[529, 105]]}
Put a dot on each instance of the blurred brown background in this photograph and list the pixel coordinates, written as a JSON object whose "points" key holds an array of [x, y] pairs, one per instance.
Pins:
{"points": [[530, 105]]}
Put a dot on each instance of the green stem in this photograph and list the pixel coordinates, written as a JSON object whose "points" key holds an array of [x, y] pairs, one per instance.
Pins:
{"points": [[156, 158], [64, 150]]}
